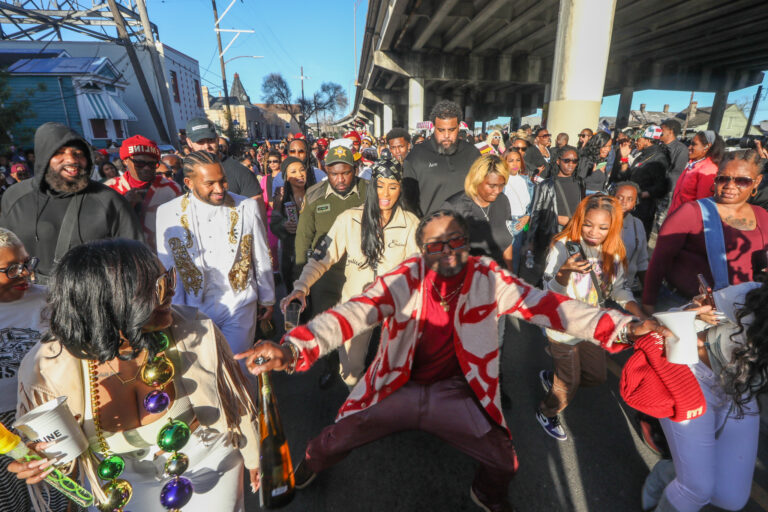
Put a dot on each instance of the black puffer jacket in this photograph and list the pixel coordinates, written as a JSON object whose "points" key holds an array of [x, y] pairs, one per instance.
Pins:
{"points": [[649, 171], [35, 212]]}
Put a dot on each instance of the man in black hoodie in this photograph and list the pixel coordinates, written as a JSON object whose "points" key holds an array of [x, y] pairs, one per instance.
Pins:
{"points": [[435, 170], [61, 207]]}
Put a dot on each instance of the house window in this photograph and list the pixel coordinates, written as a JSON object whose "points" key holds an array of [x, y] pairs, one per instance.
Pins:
{"points": [[197, 93], [99, 128], [175, 87], [118, 128]]}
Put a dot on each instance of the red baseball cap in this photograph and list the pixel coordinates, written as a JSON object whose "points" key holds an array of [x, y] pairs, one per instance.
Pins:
{"points": [[352, 135], [138, 145]]}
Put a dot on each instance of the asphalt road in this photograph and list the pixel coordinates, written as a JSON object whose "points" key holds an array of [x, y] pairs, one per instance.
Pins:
{"points": [[601, 467]]}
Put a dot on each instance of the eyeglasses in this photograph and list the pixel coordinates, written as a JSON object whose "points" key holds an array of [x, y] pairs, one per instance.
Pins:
{"points": [[521, 148], [167, 174], [546, 136], [569, 160], [273, 161], [439, 246], [583, 135], [147, 164], [165, 286], [740, 181], [16, 269]]}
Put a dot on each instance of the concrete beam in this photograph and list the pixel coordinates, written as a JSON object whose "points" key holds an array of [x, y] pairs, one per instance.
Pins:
{"points": [[415, 102], [386, 118], [532, 10], [385, 60], [389, 28], [434, 22], [474, 25]]}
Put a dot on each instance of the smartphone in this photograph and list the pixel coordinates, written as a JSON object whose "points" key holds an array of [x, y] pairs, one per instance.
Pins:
{"points": [[574, 248], [705, 289], [291, 212], [601, 166]]}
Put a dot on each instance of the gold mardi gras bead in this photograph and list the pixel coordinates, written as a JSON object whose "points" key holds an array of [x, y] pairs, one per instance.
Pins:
{"points": [[118, 493], [157, 372]]}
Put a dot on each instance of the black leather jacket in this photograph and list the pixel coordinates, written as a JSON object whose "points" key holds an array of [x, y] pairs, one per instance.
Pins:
{"points": [[543, 223]]}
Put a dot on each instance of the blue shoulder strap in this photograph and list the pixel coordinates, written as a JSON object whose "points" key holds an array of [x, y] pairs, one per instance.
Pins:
{"points": [[715, 242]]}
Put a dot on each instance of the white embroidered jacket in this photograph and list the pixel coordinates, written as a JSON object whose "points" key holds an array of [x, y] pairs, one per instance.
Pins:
{"points": [[220, 254], [488, 292]]}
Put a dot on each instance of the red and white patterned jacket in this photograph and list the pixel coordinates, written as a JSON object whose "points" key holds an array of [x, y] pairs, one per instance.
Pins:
{"points": [[489, 291], [159, 192]]}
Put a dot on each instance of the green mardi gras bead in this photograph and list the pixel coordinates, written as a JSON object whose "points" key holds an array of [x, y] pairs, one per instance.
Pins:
{"points": [[176, 464], [118, 493], [173, 436], [111, 467], [161, 341], [157, 372]]}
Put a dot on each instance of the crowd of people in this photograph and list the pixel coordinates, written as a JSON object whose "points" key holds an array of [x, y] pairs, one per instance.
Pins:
{"points": [[406, 253]]}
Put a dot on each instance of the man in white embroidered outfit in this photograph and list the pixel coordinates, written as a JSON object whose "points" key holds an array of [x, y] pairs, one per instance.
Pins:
{"points": [[216, 241]]}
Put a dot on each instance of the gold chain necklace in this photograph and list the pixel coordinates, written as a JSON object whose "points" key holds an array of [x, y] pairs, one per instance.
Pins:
{"points": [[445, 301], [117, 373]]}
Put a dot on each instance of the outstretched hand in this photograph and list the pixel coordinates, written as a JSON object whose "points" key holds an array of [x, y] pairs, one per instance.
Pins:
{"points": [[266, 356], [639, 328]]}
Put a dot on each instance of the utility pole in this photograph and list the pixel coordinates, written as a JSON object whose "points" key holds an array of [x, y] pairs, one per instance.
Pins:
{"points": [[223, 67], [755, 104], [303, 102], [159, 73], [126, 42]]}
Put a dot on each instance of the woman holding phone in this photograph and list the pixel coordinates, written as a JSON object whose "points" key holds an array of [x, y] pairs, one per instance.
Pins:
{"points": [[287, 204], [374, 238], [587, 261], [593, 161]]}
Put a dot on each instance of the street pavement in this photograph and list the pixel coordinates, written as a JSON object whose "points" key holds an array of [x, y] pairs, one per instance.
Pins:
{"points": [[601, 467]]}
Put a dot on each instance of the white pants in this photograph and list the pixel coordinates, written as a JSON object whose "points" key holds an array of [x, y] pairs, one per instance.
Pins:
{"points": [[715, 454]]}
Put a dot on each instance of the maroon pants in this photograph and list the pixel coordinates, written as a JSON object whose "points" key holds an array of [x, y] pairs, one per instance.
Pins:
{"points": [[447, 409]]}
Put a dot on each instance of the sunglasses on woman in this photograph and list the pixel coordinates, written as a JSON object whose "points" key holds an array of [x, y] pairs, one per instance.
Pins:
{"points": [[453, 244], [740, 181], [165, 286]]}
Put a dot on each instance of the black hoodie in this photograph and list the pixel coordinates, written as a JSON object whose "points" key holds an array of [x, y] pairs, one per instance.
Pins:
{"points": [[34, 211]]}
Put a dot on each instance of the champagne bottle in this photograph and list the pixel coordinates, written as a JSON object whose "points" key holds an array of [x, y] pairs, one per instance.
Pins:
{"points": [[277, 483]]}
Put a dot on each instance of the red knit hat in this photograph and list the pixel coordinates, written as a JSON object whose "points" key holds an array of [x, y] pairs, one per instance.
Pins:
{"points": [[138, 145], [653, 385], [352, 135]]}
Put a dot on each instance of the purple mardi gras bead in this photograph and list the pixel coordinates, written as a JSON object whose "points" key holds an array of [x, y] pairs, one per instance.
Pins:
{"points": [[156, 401], [176, 493]]}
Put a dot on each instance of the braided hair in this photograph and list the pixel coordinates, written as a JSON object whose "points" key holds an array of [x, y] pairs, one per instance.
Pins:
{"points": [[192, 160]]}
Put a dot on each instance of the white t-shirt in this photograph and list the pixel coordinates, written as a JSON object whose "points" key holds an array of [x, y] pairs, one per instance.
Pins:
{"points": [[21, 326], [517, 192]]}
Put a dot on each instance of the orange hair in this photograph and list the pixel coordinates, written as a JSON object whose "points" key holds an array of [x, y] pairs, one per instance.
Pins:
{"points": [[612, 247]]}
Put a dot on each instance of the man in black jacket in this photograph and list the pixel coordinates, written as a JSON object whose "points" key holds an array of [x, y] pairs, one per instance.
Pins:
{"points": [[554, 202], [61, 207], [435, 170], [649, 171]]}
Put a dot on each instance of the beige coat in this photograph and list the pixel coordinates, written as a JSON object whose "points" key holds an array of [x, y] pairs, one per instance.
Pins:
{"points": [[217, 389], [345, 239]]}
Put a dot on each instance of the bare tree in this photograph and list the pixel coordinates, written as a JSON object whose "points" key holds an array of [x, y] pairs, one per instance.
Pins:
{"points": [[330, 98]]}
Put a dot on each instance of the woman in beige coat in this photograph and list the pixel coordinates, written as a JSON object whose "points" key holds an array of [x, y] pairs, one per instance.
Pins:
{"points": [[374, 238], [109, 303]]}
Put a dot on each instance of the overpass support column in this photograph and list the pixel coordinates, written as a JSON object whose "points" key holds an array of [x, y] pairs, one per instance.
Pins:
{"points": [[386, 118], [469, 118], [625, 103], [415, 103], [718, 109], [376, 125], [517, 113], [483, 127], [581, 59]]}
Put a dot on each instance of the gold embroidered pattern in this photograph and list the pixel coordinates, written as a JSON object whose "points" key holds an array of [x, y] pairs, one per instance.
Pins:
{"points": [[238, 275], [191, 277], [233, 218]]}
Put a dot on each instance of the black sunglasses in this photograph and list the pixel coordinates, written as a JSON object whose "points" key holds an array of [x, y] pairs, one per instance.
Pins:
{"points": [[569, 160], [740, 181], [151, 164], [439, 246]]}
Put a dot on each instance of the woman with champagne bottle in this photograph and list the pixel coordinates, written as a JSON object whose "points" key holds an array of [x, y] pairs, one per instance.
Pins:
{"points": [[165, 408], [374, 237]]}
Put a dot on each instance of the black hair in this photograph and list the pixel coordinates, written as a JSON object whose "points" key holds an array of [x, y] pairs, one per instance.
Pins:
{"points": [[746, 375], [716, 150], [398, 133], [101, 169], [287, 194], [591, 150], [749, 156], [310, 161], [445, 109], [461, 221], [525, 127], [538, 130], [192, 160], [102, 292], [673, 125], [371, 230], [565, 149]]}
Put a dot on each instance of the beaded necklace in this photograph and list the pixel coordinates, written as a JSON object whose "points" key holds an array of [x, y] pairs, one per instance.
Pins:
{"points": [[177, 492]]}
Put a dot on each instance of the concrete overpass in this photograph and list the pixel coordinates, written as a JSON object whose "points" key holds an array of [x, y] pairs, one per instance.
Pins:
{"points": [[499, 58]]}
